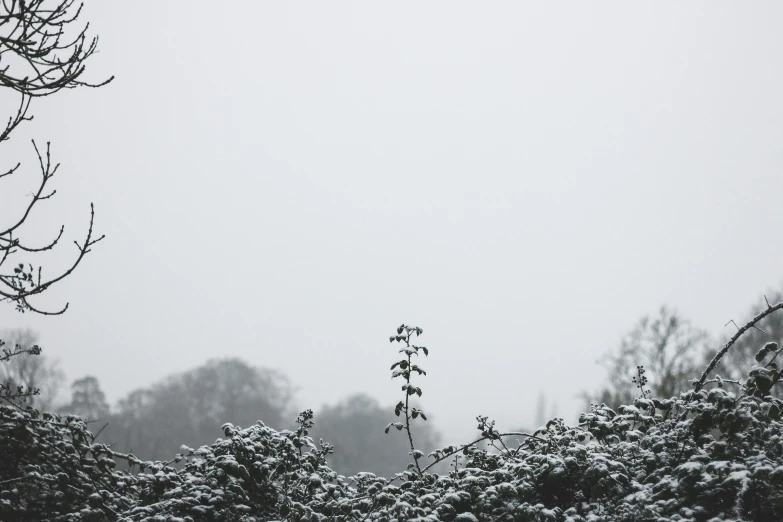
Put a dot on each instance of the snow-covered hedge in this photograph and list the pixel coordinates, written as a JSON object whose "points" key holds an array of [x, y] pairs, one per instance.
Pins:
{"points": [[708, 455]]}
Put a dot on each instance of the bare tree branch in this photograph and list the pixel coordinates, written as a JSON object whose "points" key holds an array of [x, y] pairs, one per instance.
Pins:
{"points": [[43, 58], [718, 356], [43, 50]]}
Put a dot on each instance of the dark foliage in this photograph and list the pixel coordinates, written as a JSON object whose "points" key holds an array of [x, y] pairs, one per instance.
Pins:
{"points": [[706, 455], [733, 366]]}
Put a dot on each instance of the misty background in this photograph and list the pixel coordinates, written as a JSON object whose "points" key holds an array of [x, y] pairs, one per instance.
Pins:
{"points": [[286, 184]]}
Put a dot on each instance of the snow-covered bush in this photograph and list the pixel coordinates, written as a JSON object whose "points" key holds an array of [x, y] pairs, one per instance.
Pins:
{"points": [[709, 454]]}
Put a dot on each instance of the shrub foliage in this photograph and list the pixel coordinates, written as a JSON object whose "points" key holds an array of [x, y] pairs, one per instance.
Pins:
{"points": [[709, 454]]}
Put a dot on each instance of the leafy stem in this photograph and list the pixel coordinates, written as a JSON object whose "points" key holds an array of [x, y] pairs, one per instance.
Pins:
{"points": [[404, 368]]}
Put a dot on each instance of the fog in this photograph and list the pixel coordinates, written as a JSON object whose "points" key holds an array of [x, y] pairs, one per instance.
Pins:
{"points": [[287, 183]]}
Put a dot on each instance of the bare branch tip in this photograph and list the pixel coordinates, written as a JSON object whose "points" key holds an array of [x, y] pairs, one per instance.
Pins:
{"points": [[732, 322]]}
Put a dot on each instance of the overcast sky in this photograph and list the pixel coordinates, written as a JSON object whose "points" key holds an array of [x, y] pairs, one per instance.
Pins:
{"points": [[288, 182]]}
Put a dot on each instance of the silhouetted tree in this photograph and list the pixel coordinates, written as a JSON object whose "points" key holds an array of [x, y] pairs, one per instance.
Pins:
{"points": [[189, 408], [669, 348], [129, 426], [87, 400]]}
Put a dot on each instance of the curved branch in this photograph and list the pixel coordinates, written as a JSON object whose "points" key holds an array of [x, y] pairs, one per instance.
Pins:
{"points": [[14, 121], [44, 248], [469, 444], [718, 356], [46, 174], [21, 296]]}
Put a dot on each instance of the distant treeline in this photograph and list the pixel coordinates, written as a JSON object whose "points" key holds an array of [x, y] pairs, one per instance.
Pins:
{"points": [[190, 407]]}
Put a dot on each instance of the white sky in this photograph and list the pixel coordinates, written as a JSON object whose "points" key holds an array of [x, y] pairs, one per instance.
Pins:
{"points": [[289, 182]]}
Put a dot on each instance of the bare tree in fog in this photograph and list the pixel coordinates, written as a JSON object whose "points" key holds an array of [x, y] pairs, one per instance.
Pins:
{"points": [[87, 400], [542, 414], [669, 348], [189, 408]]}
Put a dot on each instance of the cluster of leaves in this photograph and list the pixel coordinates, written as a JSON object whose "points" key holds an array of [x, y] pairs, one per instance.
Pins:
{"points": [[701, 456], [51, 468], [11, 391], [706, 455], [763, 379], [6, 354]]}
